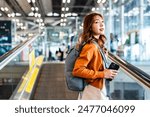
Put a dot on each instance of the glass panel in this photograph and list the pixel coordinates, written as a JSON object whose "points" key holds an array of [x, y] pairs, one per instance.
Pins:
{"points": [[123, 87], [132, 34], [12, 73]]}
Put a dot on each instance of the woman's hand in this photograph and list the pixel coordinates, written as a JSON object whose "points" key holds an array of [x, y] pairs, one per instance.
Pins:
{"points": [[109, 73]]}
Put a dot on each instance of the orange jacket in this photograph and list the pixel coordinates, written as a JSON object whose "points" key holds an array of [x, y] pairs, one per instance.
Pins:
{"points": [[89, 65]]}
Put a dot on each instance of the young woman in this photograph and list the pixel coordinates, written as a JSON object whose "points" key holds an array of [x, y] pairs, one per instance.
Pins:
{"points": [[90, 65]]}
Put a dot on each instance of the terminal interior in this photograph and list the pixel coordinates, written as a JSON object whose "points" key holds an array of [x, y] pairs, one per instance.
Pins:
{"points": [[35, 36]]}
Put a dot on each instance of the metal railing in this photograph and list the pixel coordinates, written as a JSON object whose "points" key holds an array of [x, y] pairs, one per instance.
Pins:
{"points": [[10, 55], [137, 74], [26, 85]]}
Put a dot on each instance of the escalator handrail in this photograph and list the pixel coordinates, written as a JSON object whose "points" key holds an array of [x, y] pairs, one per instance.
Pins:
{"points": [[139, 75], [10, 55]]}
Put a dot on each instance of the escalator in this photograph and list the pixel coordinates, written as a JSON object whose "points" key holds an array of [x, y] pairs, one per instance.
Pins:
{"points": [[51, 83]]}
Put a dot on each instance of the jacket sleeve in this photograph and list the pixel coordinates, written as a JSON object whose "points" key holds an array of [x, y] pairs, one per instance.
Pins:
{"points": [[81, 68]]}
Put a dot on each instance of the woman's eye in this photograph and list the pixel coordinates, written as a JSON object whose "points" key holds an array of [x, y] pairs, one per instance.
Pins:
{"points": [[96, 22]]}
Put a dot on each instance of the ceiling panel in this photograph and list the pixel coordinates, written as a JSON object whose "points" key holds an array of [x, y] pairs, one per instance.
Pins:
{"points": [[79, 7], [24, 5], [47, 6]]}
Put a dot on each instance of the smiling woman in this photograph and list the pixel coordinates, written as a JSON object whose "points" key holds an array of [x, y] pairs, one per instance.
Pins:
{"points": [[90, 64]]}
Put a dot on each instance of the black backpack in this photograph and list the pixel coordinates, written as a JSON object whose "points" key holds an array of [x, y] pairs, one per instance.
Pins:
{"points": [[73, 83]]}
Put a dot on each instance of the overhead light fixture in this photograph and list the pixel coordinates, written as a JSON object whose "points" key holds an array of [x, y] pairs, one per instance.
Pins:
{"points": [[68, 14], [35, 14], [63, 8], [62, 20], [33, 1], [29, 1], [74, 14], [4, 9], [62, 24], [36, 8], [18, 14], [65, 20], [50, 14], [39, 15], [13, 15], [55, 14], [31, 14], [93, 9], [115, 1], [67, 8], [32, 8], [64, 1], [62, 15], [101, 1], [68, 1], [39, 20]]}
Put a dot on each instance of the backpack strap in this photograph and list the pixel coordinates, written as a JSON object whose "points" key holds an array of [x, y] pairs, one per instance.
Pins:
{"points": [[105, 65], [102, 54]]}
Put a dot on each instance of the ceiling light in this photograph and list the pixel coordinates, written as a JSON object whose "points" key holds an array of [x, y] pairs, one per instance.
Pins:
{"points": [[50, 14], [93, 9], [9, 15], [17, 20], [21, 24], [63, 9], [39, 15], [33, 1], [68, 1], [13, 14], [97, 9], [68, 14], [103, 1], [6, 9], [2, 9], [32, 8], [62, 24], [31, 14], [42, 24], [115, 1], [98, 1], [62, 15], [36, 8], [18, 14], [29, 1], [74, 14], [38, 20], [64, 1], [36, 14], [56, 14], [104, 8], [67, 9], [64, 20], [41, 20]]}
